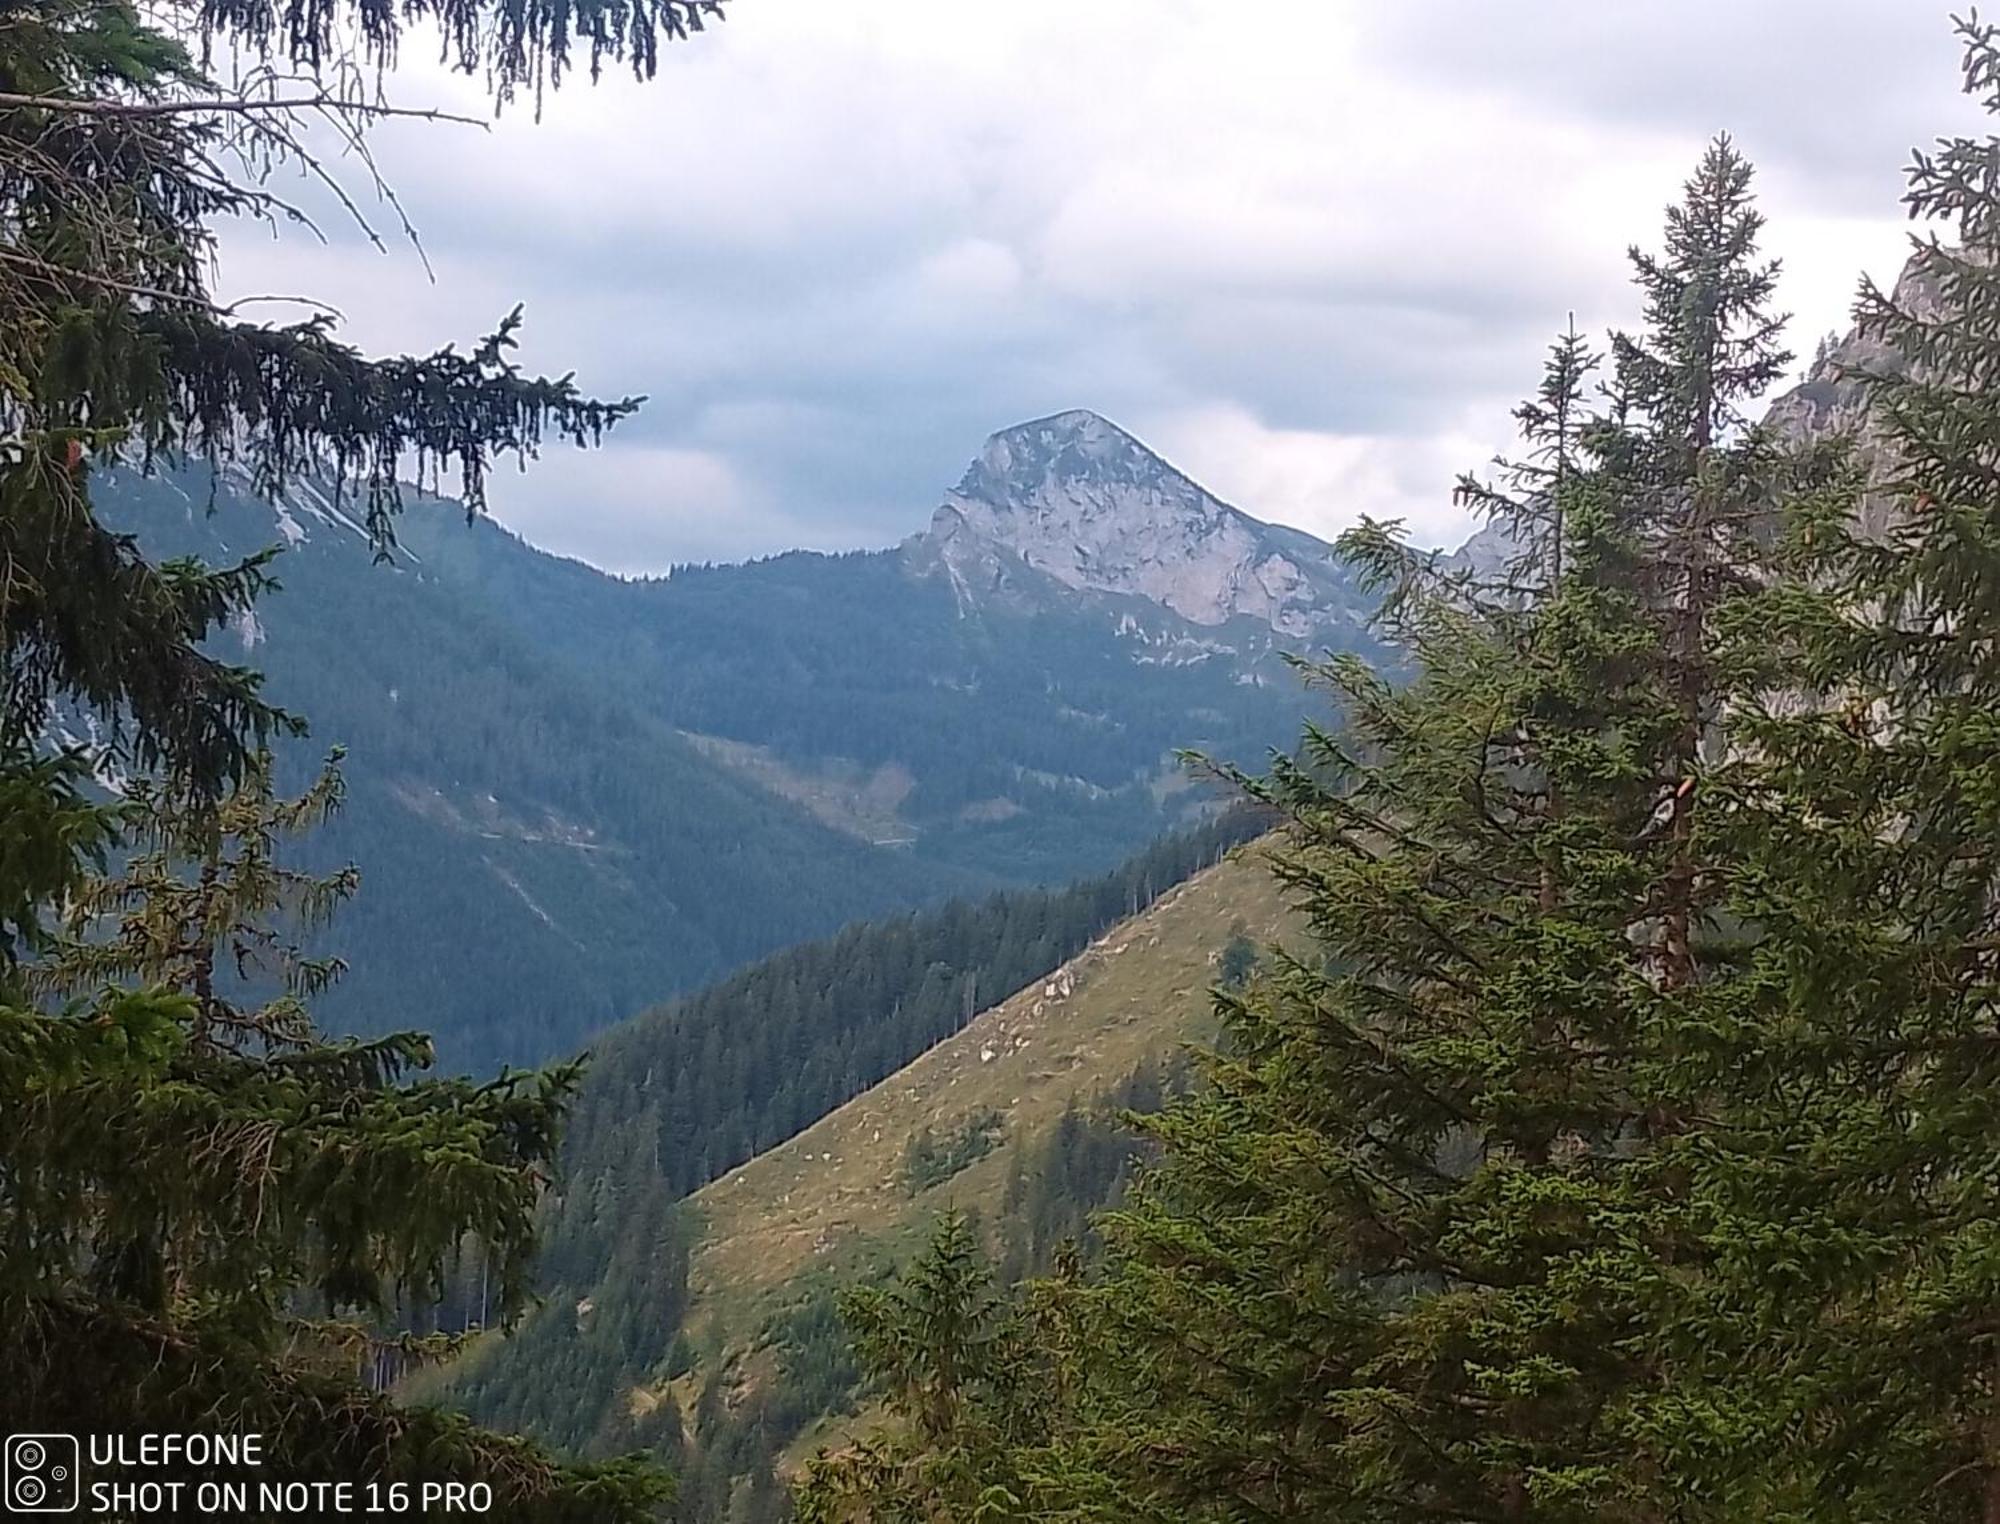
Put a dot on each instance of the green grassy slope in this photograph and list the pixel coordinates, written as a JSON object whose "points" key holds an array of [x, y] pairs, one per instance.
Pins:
{"points": [[833, 1206]]}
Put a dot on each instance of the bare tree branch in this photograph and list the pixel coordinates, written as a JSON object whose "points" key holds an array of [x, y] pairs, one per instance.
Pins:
{"points": [[216, 105]]}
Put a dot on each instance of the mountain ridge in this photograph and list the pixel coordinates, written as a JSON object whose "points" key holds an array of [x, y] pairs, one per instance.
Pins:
{"points": [[1083, 501], [538, 858], [573, 795]]}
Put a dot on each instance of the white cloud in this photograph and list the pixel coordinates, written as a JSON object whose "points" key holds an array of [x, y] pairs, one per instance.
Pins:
{"points": [[1317, 478], [1313, 248], [649, 506]]}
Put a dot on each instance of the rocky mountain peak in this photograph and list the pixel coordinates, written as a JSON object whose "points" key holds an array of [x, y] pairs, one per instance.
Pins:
{"points": [[1081, 500], [1079, 449]]}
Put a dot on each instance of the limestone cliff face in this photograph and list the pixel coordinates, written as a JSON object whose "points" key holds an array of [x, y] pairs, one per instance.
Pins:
{"points": [[1831, 401], [1078, 499]]}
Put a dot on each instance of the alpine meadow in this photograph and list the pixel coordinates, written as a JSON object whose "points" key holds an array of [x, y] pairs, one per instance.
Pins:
{"points": [[643, 958]]}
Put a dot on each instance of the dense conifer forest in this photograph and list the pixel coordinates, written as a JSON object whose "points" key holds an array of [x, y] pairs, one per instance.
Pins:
{"points": [[538, 858], [681, 1095], [853, 656], [543, 848]]}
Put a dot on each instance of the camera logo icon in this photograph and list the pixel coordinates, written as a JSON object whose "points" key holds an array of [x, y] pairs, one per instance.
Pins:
{"points": [[41, 1474]]}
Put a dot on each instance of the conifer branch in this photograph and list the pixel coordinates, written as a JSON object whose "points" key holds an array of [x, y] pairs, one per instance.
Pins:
{"points": [[233, 105]]}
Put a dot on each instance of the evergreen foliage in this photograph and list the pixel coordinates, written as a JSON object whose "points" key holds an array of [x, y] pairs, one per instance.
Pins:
{"points": [[1388, 1266], [973, 1380], [1844, 1194], [116, 155], [186, 1166], [680, 1096], [931, 1160], [1411, 1254], [1237, 960], [1059, 1184], [1625, 1150]]}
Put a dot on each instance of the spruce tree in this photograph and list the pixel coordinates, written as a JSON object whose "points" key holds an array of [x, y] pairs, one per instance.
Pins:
{"points": [[118, 155], [985, 1395], [182, 1173], [1399, 1259], [1394, 1263], [1712, 344], [202, 1199], [1840, 1355], [1527, 504]]}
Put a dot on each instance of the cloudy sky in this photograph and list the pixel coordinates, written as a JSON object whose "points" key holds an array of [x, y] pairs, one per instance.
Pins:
{"points": [[1310, 250]]}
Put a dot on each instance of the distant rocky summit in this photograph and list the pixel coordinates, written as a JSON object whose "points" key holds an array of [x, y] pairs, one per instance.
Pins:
{"points": [[1078, 499]]}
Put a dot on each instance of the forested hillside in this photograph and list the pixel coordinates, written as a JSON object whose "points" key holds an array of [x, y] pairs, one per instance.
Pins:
{"points": [[1027, 746], [681, 1095], [572, 795], [539, 856], [947, 695]]}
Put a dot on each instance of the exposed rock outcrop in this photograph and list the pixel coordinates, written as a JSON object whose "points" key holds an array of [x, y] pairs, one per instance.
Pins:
{"points": [[1078, 499]]}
